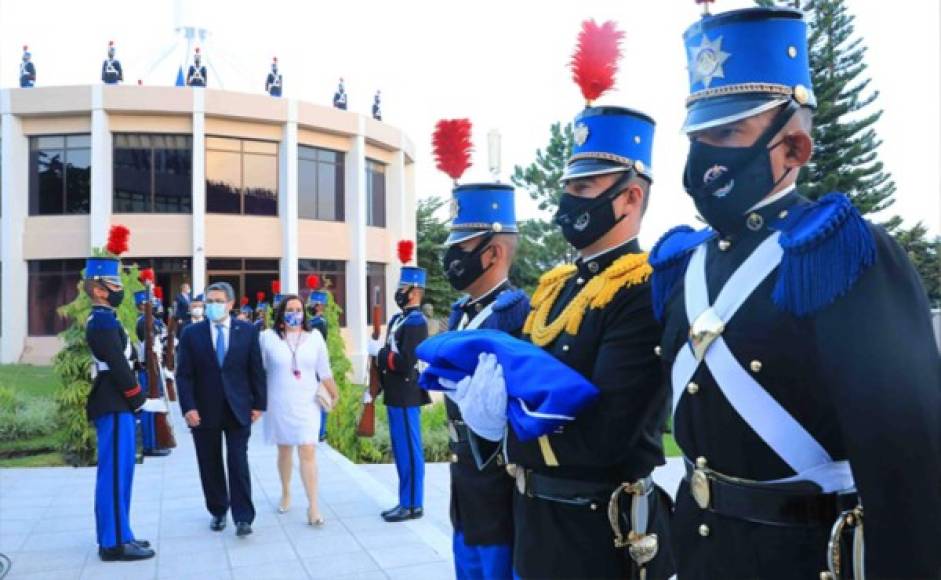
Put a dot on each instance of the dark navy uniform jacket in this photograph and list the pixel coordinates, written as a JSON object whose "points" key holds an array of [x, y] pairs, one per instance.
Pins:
{"points": [[192, 80], [862, 375], [399, 371], [273, 89], [482, 499], [319, 324], [114, 390], [111, 77], [27, 75]]}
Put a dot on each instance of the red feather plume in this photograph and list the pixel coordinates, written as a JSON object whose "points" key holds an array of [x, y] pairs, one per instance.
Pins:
{"points": [[405, 249], [244, 301], [158, 293], [259, 296], [117, 240], [452, 145], [147, 275], [313, 281], [595, 61], [275, 286]]}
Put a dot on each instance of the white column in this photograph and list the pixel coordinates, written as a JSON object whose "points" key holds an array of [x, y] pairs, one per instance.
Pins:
{"points": [[199, 191], [356, 315], [398, 214], [101, 171], [14, 188], [287, 202]]}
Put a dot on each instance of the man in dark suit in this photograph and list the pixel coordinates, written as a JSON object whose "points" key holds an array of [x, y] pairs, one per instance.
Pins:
{"points": [[181, 310], [222, 389]]}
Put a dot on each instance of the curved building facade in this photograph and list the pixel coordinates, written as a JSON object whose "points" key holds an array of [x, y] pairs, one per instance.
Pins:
{"points": [[214, 185]]}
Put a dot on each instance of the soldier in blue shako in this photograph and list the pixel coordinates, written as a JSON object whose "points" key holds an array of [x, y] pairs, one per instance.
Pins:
{"points": [[586, 505], [339, 97], [398, 372], [377, 107], [797, 339], [316, 302], [27, 70], [196, 75], [115, 397], [111, 72], [273, 81], [147, 420], [481, 246]]}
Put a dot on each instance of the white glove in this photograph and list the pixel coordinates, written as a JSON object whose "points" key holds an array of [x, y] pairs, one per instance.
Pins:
{"points": [[366, 398], [483, 400], [168, 374], [373, 346], [456, 391], [154, 406]]}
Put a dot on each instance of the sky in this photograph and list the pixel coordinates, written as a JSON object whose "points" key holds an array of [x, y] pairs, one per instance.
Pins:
{"points": [[503, 64]]}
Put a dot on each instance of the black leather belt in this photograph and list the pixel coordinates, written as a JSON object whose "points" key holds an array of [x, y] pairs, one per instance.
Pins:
{"points": [[571, 491], [762, 503]]}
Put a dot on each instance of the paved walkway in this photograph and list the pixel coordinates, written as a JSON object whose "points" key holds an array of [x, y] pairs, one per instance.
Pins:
{"points": [[47, 525]]}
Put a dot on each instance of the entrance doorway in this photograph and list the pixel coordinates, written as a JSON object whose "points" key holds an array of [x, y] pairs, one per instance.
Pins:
{"points": [[248, 277]]}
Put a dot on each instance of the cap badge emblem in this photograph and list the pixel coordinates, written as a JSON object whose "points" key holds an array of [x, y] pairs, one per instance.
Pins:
{"points": [[706, 61], [581, 134]]}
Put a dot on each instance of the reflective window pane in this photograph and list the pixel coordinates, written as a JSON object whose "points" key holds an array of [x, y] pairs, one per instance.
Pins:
{"points": [[223, 144], [51, 284], [131, 178], [78, 181], [268, 147], [223, 182], [173, 176], [306, 189], [375, 194], [326, 198], [47, 182], [260, 184]]}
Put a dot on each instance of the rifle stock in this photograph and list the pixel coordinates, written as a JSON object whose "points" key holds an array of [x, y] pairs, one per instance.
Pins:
{"points": [[171, 357], [367, 422]]}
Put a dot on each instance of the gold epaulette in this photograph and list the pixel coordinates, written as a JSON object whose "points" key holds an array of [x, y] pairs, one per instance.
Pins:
{"points": [[628, 270]]}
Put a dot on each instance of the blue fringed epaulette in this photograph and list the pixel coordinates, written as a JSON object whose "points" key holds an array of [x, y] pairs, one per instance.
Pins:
{"points": [[669, 258], [510, 310], [102, 318], [827, 246], [456, 312]]}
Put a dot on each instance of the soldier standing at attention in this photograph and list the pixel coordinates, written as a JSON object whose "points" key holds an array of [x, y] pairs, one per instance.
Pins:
{"points": [[273, 82], [339, 97], [196, 75], [27, 70], [111, 72], [481, 246], [398, 371], [114, 398], [796, 338]]}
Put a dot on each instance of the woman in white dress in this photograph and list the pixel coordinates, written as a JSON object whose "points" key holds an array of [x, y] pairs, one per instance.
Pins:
{"points": [[296, 363]]}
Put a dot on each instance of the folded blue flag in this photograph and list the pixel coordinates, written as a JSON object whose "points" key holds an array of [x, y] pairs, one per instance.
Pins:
{"points": [[542, 391]]}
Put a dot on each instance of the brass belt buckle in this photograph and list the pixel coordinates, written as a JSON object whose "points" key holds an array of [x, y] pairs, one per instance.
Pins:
{"points": [[699, 488], [705, 329]]}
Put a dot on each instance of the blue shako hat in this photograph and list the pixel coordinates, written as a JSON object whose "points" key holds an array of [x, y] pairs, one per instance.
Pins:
{"points": [[610, 140], [606, 139], [104, 269], [140, 297], [317, 297], [481, 208], [412, 276], [744, 62]]}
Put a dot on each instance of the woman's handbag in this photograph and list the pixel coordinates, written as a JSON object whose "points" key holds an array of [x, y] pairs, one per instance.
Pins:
{"points": [[324, 399]]}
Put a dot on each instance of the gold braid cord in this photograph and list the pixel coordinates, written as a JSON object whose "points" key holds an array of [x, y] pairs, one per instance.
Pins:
{"points": [[625, 272]]}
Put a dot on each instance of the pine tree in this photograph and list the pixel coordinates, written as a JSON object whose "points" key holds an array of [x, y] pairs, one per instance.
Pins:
{"points": [[845, 157], [924, 252], [542, 245], [432, 232]]}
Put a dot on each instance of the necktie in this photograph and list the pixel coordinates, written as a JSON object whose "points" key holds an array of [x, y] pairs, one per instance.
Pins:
{"points": [[220, 344]]}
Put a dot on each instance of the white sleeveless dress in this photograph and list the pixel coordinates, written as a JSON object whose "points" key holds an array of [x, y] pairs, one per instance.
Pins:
{"points": [[293, 415]]}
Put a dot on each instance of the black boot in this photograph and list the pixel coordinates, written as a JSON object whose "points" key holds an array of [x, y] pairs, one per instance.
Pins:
{"points": [[126, 553], [389, 511], [399, 515]]}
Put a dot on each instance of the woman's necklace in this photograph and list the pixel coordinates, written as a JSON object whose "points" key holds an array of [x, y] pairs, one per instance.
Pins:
{"points": [[293, 348]]}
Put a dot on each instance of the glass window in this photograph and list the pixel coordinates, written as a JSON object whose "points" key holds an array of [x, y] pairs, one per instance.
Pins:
{"points": [[170, 274], [375, 194], [241, 176], [247, 277], [52, 283], [375, 287], [153, 173], [60, 175], [320, 181], [332, 277]]}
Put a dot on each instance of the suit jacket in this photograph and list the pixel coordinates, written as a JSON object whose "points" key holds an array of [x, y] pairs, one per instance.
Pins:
{"points": [[182, 309], [204, 386]]}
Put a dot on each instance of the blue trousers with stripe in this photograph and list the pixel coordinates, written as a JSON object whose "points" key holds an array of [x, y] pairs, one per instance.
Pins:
{"points": [[323, 424], [492, 562], [116, 456], [148, 427], [405, 432]]}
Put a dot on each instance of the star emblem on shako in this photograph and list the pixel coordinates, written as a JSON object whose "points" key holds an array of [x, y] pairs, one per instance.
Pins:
{"points": [[706, 60], [581, 134]]}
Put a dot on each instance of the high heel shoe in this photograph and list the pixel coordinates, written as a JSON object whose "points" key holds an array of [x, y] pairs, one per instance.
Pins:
{"points": [[313, 520], [284, 505]]}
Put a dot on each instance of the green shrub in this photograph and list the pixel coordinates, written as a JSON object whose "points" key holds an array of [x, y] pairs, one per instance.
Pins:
{"points": [[434, 434], [27, 418], [8, 399]]}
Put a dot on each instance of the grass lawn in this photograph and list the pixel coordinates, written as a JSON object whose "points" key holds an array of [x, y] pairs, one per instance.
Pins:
{"points": [[33, 381], [670, 448]]}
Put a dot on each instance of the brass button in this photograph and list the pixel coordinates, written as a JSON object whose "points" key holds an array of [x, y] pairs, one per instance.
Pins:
{"points": [[594, 507], [701, 462], [593, 267], [454, 458], [565, 348], [755, 222], [704, 530], [657, 350], [783, 214], [724, 245], [755, 366], [826, 575], [692, 388], [579, 281]]}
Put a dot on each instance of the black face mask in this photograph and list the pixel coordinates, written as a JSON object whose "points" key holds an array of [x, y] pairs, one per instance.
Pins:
{"points": [[462, 267], [401, 297], [115, 297], [585, 220], [725, 182]]}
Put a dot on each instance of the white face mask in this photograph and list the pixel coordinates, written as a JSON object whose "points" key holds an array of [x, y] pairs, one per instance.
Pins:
{"points": [[197, 311]]}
